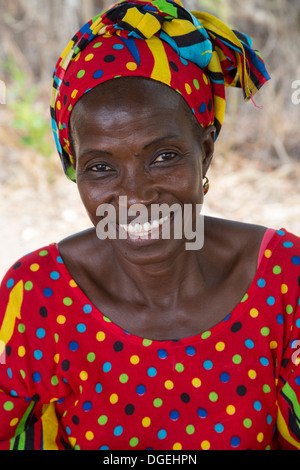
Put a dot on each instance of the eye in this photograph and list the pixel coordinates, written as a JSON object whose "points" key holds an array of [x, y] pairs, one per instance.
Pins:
{"points": [[100, 168], [165, 157]]}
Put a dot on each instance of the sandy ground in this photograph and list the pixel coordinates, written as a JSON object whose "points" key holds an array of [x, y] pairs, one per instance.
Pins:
{"points": [[34, 212]]}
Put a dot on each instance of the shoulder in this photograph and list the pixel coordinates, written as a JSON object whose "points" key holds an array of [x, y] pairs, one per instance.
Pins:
{"points": [[27, 278]]}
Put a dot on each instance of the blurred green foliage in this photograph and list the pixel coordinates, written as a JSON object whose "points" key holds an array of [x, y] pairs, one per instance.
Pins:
{"points": [[28, 113]]}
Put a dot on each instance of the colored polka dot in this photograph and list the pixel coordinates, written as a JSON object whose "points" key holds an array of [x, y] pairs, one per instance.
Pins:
{"points": [[113, 398], [146, 422], [36, 377], [133, 442], [219, 428], [100, 336], [140, 389], [43, 253], [73, 346], [265, 331], [147, 342], [106, 367], [152, 372], [48, 292], [268, 253], [8, 406], [89, 57], [206, 334], [67, 301], [157, 402], [81, 327], [21, 351], [260, 437], [205, 445], [247, 423], [28, 286], [190, 429], [87, 308], [213, 396], [102, 420], [174, 415], [89, 435], [162, 354], [202, 108], [220, 346], [34, 267], [10, 283], [235, 441], [284, 288], [169, 385], [202, 413], [162, 434], [253, 312], [72, 283], [40, 332], [271, 300], [179, 367], [261, 283], [296, 260], [38, 354], [190, 350], [224, 377], [252, 374], [118, 430], [230, 410], [196, 84], [257, 405], [177, 446], [61, 319], [289, 309], [83, 375], [236, 359], [249, 343], [123, 378], [131, 66], [207, 365], [54, 275], [98, 74], [134, 359], [81, 73], [196, 382], [97, 44]]}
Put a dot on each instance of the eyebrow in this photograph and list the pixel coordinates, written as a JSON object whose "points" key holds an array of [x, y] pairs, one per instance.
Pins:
{"points": [[106, 152]]}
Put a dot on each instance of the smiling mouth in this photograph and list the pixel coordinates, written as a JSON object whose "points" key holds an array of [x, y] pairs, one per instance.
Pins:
{"points": [[137, 229]]}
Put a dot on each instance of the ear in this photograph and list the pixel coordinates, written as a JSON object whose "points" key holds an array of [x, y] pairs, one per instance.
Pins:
{"points": [[208, 145]]}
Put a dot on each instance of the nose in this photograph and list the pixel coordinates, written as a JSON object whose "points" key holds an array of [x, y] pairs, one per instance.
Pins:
{"points": [[139, 188]]}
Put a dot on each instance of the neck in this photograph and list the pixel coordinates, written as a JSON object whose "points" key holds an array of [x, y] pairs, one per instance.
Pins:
{"points": [[161, 283]]}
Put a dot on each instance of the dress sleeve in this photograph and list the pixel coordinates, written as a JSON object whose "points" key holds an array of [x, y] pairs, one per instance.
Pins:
{"points": [[28, 389], [288, 419]]}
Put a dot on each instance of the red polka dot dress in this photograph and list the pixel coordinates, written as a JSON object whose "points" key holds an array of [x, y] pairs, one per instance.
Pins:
{"points": [[72, 379]]}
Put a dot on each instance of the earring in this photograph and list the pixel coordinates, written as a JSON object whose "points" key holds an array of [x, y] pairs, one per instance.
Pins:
{"points": [[206, 185]]}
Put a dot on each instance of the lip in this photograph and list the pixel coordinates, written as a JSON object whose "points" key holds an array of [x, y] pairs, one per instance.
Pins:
{"points": [[153, 234]]}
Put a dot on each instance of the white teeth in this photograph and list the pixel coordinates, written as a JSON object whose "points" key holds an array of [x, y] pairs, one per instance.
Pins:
{"points": [[143, 228]]}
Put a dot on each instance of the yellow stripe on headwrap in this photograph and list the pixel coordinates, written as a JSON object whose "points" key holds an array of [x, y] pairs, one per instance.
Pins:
{"points": [[161, 70]]}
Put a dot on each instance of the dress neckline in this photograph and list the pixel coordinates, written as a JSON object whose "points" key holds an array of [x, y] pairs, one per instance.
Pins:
{"points": [[240, 308]]}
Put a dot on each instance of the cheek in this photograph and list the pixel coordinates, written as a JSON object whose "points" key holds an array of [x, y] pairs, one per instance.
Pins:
{"points": [[92, 197]]}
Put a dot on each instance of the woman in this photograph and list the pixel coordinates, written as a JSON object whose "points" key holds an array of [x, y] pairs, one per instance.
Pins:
{"points": [[122, 338]]}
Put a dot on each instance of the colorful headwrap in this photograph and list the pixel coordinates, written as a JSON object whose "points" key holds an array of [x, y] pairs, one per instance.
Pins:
{"points": [[194, 53]]}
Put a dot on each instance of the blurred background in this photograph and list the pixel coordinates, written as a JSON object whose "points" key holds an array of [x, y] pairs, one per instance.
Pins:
{"points": [[256, 169]]}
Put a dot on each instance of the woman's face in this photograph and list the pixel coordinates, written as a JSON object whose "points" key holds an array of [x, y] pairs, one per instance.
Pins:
{"points": [[135, 138]]}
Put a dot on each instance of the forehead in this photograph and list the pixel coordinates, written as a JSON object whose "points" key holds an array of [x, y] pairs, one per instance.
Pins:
{"points": [[131, 97]]}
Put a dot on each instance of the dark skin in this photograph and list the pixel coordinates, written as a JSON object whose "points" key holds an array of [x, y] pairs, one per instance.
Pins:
{"points": [[135, 137]]}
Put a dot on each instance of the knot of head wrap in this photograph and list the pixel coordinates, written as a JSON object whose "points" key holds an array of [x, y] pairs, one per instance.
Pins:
{"points": [[192, 52]]}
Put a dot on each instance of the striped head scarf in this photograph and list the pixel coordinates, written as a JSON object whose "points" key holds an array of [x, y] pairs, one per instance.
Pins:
{"points": [[194, 53]]}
